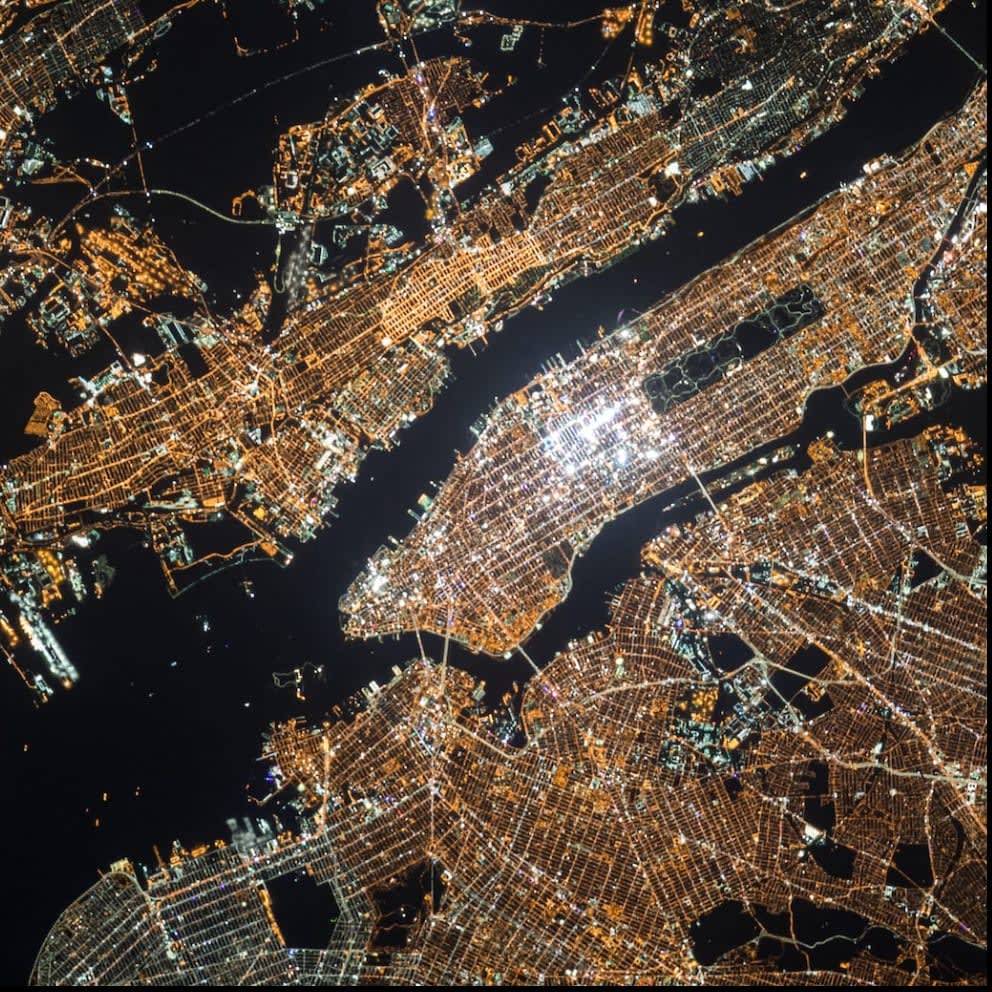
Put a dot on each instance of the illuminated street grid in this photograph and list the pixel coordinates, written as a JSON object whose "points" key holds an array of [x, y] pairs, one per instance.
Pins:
{"points": [[55, 52], [787, 708], [221, 424], [583, 442], [652, 788], [877, 566], [378, 140]]}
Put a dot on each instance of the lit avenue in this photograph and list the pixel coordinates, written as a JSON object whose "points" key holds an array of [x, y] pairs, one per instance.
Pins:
{"points": [[768, 764]]}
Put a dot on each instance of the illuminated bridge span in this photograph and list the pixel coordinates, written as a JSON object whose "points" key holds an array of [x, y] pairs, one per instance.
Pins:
{"points": [[749, 756], [831, 293]]}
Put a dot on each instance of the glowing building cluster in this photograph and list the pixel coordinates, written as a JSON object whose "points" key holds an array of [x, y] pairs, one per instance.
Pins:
{"points": [[661, 798], [233, 418], [712, 373], [770, 768]]}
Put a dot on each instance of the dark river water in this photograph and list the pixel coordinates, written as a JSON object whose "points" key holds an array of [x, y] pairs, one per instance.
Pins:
{"points": [[159, 738]]}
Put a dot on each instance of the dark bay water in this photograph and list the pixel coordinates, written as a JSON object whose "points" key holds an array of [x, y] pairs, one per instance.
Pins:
{"points": [[167, 716]]}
